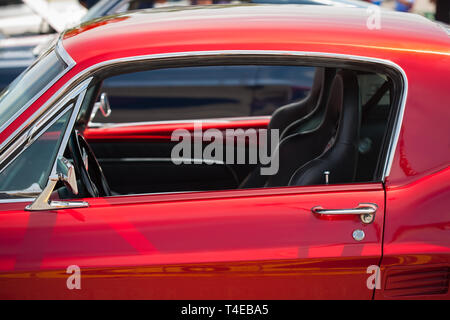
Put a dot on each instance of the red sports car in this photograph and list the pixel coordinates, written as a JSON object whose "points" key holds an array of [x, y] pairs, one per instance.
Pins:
{"points": [[351, 203]]}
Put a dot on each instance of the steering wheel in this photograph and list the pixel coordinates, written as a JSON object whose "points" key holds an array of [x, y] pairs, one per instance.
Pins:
{"points": [[89, 170]]}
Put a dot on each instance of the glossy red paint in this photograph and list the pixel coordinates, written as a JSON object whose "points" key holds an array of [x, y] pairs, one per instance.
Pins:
{"points": [[253, 28], [164, 131], [251, 243], [417, 236]]}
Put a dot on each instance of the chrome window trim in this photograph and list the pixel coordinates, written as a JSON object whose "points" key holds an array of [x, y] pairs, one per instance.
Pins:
{"points": [[67, 59], [63, 54], [17, 200], [304, 54]]}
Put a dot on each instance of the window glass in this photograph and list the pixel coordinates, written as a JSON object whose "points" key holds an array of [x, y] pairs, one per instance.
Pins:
{"points": [[204, 92], [30, 170], [29, 84], [337, 129]]}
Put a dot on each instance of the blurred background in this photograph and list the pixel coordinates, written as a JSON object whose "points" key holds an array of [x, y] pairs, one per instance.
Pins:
{"points": [[424, 7]]}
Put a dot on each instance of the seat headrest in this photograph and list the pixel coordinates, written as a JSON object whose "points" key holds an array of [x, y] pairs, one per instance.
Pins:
{"points": [[347, 83]]}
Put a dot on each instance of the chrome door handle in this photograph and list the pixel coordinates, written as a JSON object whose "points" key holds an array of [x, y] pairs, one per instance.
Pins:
{"points": [[366, 211]]}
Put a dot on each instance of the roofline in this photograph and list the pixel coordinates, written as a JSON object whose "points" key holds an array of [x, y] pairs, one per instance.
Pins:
{"points": [[438, 34]]}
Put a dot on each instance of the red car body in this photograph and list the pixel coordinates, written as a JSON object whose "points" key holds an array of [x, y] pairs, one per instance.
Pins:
{"points": [[257, 243]]}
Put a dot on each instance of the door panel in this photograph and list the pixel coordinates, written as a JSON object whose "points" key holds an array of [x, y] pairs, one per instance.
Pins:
{"points": [[246, 244]]}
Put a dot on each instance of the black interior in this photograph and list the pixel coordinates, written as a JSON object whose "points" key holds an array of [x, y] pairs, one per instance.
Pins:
{"points": [[305, 129], [340, 157], [145, 166]]}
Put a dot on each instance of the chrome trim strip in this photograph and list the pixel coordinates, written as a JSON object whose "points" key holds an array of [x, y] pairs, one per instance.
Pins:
{"points": [[165, 193], [16, 200], [96, 125], [352, 58], [14, 146], [395, 134], [61, 53]]}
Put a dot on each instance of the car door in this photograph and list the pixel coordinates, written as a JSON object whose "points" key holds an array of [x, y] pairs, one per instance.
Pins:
{"points": [[240, 244]]}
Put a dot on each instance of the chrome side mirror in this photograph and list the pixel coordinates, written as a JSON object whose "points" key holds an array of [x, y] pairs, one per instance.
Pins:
{"points": [[103, 105], [65, 172]]}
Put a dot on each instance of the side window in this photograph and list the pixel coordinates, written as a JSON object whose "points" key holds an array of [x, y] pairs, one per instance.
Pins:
{"points": [[29, 172], [255, 126], [276, 86], [204, 92]]}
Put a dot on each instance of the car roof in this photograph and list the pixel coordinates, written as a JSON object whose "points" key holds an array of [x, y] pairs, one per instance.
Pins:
{"points": [[249, 27]]}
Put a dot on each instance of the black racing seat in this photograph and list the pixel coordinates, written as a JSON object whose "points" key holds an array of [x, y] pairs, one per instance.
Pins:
{"points": [[292, 116], [340, 158], [312, 136], [285, 115], [310, 120]]}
